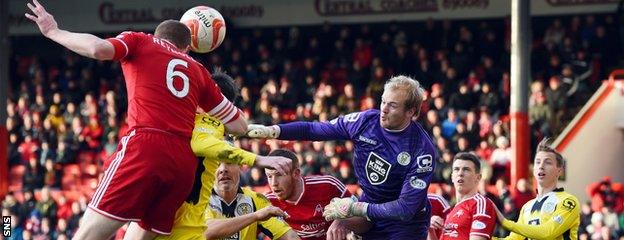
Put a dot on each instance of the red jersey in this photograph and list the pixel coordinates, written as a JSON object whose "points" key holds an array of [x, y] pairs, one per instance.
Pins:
{"points": [[439, 207], [306, 214], [472, 216], [165, 86]]}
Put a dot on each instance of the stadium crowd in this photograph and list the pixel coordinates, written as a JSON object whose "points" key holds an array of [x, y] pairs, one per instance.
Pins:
{"points": [[65, 114]]}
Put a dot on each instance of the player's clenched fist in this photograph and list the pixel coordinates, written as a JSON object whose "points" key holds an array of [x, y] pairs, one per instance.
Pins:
{"points": [[340, 208], [261, 131]]}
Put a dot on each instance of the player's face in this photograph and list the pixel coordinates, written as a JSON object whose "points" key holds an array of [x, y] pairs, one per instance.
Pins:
{"points": [[228, 177], [545, 169], [281, 184], [465, 177], [394, 115]]}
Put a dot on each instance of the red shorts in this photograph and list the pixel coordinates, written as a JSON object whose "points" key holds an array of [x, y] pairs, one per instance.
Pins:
{"points": [[147, 179]]}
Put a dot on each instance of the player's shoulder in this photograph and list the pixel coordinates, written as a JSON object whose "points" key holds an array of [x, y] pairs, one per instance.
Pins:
{"points": [[255, 196], [482, 205], [567, 200], [434, 198], [321, 182], [132, 33], [370, 114]]}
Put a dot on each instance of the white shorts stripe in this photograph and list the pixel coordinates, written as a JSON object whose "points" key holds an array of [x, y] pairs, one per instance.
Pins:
{"points": [[110, 172], [111, 215]]}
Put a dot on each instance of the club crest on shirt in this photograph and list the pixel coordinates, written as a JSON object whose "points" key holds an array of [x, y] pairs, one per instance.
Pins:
{"points": [[549, 207], [377, 169], [242, 209], [404, 158], [318, 209]]}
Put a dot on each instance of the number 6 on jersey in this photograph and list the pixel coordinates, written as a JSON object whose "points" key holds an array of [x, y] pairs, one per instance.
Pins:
{"points": [[171, 72]]}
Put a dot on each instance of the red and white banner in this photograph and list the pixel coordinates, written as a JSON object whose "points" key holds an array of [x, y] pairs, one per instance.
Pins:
{"points": [[118, 15]]}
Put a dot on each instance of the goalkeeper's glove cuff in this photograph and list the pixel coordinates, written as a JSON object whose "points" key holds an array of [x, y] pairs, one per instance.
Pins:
{"points": [[359, 209]]}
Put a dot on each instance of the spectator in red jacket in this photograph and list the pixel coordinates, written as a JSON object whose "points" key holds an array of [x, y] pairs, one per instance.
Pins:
{"points": [[522, 194], [606, 193]]}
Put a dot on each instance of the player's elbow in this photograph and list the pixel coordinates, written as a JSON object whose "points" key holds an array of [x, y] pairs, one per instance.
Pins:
{"points": [[407, 213], [237, 127], [102, 50], [210, 232]]}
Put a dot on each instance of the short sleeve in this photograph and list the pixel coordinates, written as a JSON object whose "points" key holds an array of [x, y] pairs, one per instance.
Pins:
{"points": [[124, 44], [484, 219]]}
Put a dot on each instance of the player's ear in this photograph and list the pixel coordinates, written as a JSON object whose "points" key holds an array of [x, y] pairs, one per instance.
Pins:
{"points": [[296, 172]]}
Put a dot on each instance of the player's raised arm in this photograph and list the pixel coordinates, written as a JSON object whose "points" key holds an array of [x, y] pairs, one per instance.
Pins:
{"points": [[85, 44], [341, 128]]}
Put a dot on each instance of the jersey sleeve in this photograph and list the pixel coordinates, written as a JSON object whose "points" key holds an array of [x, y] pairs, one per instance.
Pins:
{"points": [[413, 197], [341, 128], [484, 218], [125, 43], [273, 226], [205, 144], [214, 103], [566, 214]]}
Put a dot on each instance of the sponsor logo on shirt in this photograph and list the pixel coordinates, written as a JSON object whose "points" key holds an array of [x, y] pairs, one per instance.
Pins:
{"points": [[377, 169], [313, 226], [425, 163], [569, 203], [418, 183], [367, 140], [450, 229], [478, 225], [404, 158]]}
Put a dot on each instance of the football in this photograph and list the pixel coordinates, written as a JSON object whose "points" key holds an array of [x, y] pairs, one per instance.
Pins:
{"points": [[207, 28]]}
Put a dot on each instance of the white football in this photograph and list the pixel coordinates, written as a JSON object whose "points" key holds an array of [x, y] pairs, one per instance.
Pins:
{"points": [[207, 28]]}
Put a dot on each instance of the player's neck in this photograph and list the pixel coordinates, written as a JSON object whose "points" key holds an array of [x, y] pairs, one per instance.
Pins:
{"points": [[400, 129], [227, 196], [462, 197], [545, 189], [297, 191]]}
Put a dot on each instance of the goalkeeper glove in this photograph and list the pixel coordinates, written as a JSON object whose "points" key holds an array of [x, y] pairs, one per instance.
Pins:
{"points": [[340, 208], [261, 131]]}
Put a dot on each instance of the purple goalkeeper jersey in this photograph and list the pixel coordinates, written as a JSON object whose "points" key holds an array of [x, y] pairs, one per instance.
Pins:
{"points": [[394, 169]]}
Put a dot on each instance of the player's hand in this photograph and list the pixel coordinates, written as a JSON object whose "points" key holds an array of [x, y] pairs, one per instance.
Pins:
{"points": [[437, 222], [340, 208], [269, 212], [261, 131], [44, 20], [337, 230], [281, 164]]}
